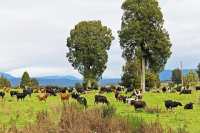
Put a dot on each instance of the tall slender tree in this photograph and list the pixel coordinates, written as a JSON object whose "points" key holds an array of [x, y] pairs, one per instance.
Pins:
{"points": [[88, 44], [142, 30], [25, 80]]}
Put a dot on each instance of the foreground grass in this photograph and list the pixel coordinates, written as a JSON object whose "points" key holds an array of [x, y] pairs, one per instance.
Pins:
{"points": [[23, 113]]}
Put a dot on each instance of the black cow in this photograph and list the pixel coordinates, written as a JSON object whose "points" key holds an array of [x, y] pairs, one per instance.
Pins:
{"points": [[21, 96], [164, 89], [101, 99], [2, 94], [138, 104], [13, 93], [169, 104], [186, 91], [189, 106], [51, 92], [198, 88], [28, 91], [82, 101], [75, 95], [106, 89]]}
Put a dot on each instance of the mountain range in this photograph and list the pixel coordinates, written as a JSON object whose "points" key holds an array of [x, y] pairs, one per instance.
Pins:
{"points": [[72, 80]]}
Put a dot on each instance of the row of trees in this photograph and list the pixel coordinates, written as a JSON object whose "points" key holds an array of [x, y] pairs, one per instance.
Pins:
{"points": [[189, 79], [26, 81], [143, 39]]}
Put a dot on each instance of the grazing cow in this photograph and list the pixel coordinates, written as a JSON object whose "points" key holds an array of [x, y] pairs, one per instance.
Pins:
{"points": [[2, 94], [186, 91], [138, 104], [75, 95], [13, 93], [189, 106], [80, 90], [21, 96], [169, 104], [64, 96], [28, 91], [198, 88], [105, 89], [51, 92], [164, 89], [43, 97], [116, 94], [122, 98], [101, 99], [82, 101]]}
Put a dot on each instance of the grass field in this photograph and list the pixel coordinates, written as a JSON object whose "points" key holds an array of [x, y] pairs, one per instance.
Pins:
{"points": [[23, 113]]}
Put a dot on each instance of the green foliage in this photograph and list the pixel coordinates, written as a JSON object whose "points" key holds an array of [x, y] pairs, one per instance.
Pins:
{"points": [[131, 74], [108, 111], [25, 80], [177, 76], [152, 80], [34, 83], [88, 44], [4, 82], [191, 79], [142, 30]]}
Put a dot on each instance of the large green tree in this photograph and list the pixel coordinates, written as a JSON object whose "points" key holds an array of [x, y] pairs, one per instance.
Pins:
{"points": [[4, 82], [177, 76], [88, 44], [191, 79], [142, 30], [25, 80]]}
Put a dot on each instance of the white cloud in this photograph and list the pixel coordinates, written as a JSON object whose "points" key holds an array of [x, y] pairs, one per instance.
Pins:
{"points": [[33, 33]]}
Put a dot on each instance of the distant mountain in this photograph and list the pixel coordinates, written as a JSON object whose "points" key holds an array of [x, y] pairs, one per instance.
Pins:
{"points": [[71, 80]]}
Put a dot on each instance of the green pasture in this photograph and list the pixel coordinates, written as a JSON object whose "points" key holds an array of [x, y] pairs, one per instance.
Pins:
{"points": [[24, 112]]}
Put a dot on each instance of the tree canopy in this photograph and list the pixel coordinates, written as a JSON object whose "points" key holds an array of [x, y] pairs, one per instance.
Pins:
{"points": [[88, 44], [142, 32], [25, 80], [177, 76]]}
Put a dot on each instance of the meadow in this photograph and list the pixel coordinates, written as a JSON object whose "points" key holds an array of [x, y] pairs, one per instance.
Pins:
{"points": [[24, 112]]}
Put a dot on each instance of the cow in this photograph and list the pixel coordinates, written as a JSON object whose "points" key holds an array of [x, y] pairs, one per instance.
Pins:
{"points": [[75, 95], [82, 101], [105, 89], [197, 88], [28, 91], [169, 104], [122, 98], [2, 94], [186, 91], [64, 96], [51, 92], [189, 106], [138, 104], [164, 89], [13, 93], [43, 96], [21, 96], [101, 99]]}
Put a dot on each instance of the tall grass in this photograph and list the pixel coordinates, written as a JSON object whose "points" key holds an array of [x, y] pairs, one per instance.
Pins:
{"points": [[74, 119]]}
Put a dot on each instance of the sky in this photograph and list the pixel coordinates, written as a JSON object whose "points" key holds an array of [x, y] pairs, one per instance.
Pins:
{"points": [[33, 34]]}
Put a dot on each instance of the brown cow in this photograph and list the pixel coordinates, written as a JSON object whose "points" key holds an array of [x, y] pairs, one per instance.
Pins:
{"points": [[43, 97], [64, 96]]}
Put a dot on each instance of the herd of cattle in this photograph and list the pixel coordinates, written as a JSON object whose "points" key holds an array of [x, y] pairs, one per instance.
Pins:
{"points": [[135, 99]]}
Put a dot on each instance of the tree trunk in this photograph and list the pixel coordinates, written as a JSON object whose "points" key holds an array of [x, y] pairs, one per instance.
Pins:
{"points": [[143, 74]]}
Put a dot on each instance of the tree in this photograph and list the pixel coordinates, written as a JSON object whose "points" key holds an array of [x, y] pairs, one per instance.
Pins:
{"points": [[4, 82], [131, 72], [191, 79], [131, 76], [88, 44], [198, 70], [142, 30], [152, 80], [177, 76], [25, 80], [34, 83]]}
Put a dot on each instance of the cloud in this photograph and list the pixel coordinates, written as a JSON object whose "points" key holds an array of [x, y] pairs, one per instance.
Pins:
{"points": [[33, 33]]}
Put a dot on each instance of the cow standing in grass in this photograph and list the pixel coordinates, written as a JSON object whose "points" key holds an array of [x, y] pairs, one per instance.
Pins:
{"points": [[43, 96], [101, 99], [169, 104], [2, 94], [64, 96]]}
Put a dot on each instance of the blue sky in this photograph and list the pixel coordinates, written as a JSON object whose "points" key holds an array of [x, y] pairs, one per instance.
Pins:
{"points": [[33, 33]]}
